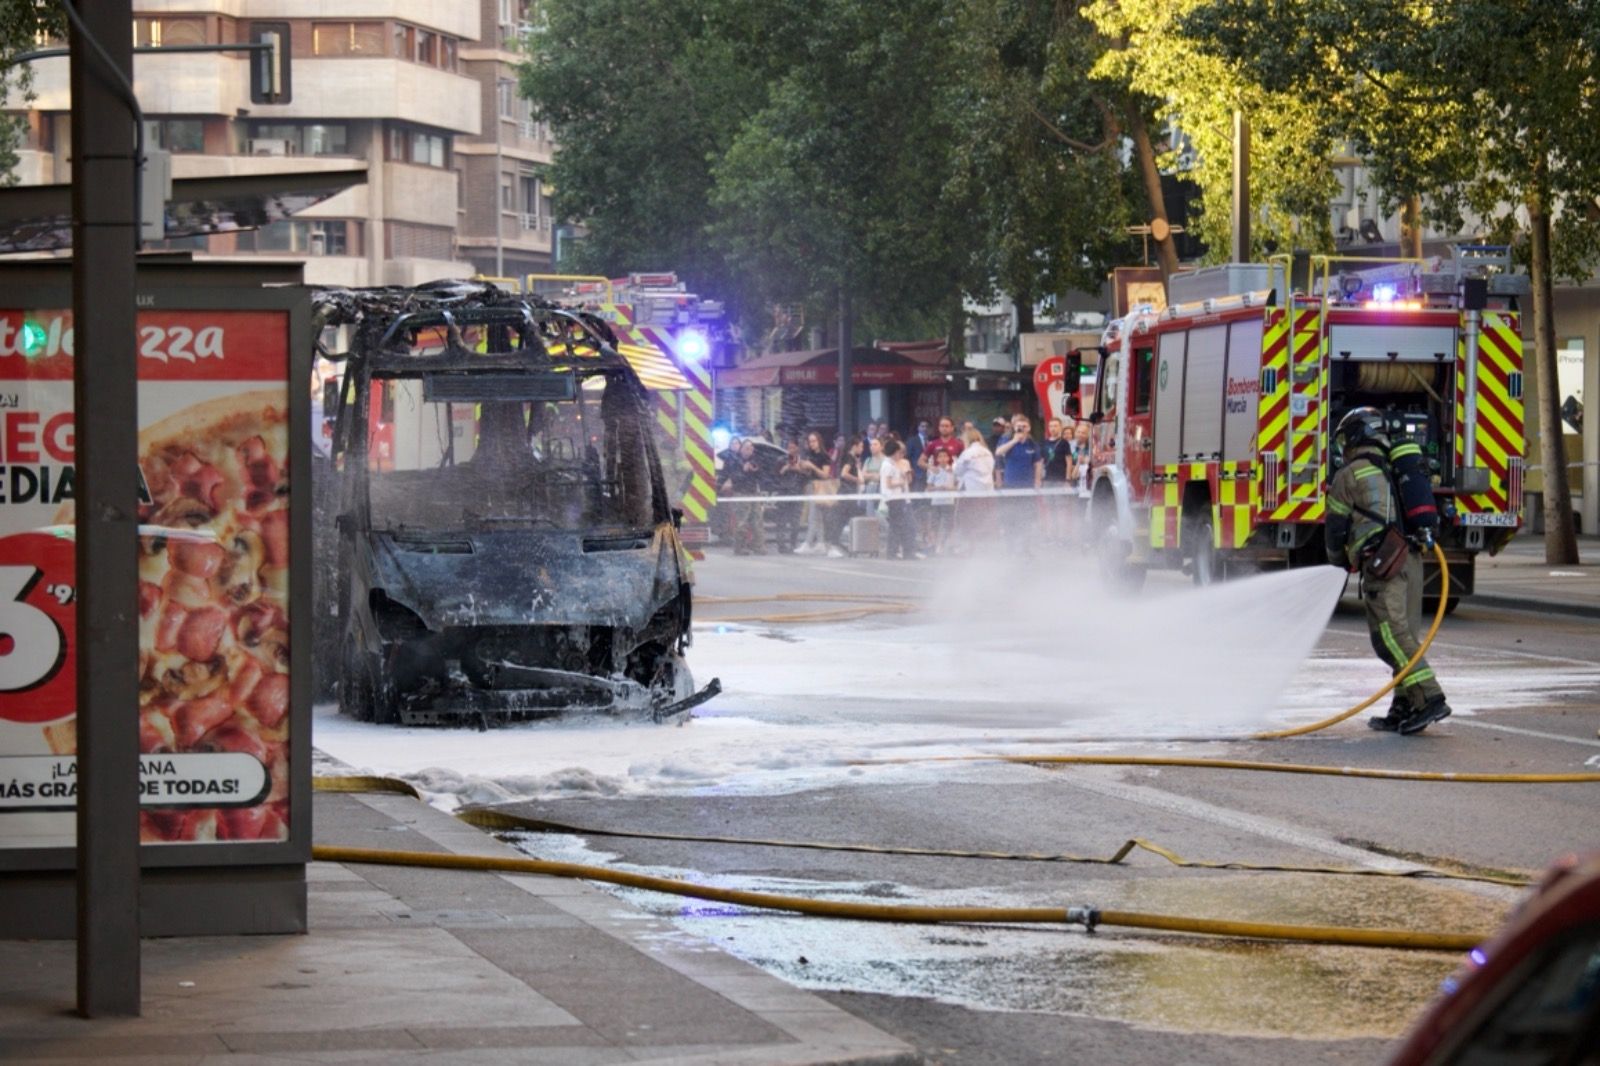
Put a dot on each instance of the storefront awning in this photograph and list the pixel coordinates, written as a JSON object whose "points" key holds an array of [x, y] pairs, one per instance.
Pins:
{"points": [[883, 364]]}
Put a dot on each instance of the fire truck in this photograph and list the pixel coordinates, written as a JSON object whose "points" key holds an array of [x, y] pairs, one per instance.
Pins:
{"points": [[670, 335], [1213, 417]]}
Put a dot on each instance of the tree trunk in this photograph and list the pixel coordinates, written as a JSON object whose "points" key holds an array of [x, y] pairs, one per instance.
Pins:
{"points": [[1411, 227], [847, 390], [1024, 304], [1166, 250], [1560, 539]]}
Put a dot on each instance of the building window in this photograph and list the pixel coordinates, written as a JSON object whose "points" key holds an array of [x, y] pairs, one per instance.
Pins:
{"points": [[508, 193], [427, 149], [408, 144], [409, 240], [404, 37], [166, 32], [310, 237], [530, 201], [294, 138], [347, 39], [181, 136], [461, 190], [427, 48], [507, 91]]}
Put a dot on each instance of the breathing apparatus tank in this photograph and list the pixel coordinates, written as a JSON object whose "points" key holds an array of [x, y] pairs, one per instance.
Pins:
{"points": [[1413, 481], [1407, 467]]}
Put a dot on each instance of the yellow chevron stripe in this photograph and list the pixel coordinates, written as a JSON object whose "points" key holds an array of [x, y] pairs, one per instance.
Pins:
{"points": [[694, 509]]}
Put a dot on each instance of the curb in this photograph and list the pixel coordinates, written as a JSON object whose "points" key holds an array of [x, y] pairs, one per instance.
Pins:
{"points": [[1530, 603]]}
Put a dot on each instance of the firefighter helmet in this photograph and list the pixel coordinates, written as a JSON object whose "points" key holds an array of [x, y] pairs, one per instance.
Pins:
{"points": [[1361, 426]]}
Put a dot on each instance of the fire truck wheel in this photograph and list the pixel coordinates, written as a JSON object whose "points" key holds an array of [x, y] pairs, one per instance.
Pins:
{"points": [[1204, 565], [1114, 551]]}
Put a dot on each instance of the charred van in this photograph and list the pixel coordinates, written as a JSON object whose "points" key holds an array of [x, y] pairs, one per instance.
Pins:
{"points": [[506, 548]]}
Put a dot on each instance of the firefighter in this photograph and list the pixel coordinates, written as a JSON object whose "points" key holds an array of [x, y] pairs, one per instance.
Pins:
{"points": [[1363, 508]]}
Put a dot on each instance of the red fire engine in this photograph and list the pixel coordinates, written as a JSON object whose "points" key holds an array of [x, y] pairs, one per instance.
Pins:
{"points": [[1213, 417]]}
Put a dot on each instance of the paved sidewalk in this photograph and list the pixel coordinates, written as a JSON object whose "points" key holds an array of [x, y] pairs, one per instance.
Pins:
{"points": [[436, 966], [1519, 578]]}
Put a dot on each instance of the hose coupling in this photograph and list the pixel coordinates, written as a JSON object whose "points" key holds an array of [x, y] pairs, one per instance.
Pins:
{"points": [[1088, 917]]}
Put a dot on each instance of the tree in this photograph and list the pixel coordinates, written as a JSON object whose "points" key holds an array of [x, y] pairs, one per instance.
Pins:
{"points": [[1038, 151], [1488, 108], [22, 23], [1157, 66]]}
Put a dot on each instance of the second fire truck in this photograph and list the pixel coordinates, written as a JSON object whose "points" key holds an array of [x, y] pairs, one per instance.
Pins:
{"points": [[1213, 417]]}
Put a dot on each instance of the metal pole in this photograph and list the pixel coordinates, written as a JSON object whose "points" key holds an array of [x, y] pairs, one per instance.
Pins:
{"points": [[847, 392], [1241, 188], [1469, 427], [105, 226], [499, 176]]}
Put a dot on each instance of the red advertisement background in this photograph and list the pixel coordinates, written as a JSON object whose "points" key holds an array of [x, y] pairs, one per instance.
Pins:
{"points": [[186, 358]]}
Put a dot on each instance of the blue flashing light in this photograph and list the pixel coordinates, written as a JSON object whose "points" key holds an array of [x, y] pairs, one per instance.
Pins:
{"points": [[1477, 956], [693, 345], [1384, 294], [721, 436]]}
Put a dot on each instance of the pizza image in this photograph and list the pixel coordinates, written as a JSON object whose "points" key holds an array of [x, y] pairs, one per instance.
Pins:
{"points": [[213, 605]]}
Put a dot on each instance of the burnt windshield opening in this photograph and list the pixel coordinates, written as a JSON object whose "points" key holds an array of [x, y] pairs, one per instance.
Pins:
{"points": [[558, 449]]}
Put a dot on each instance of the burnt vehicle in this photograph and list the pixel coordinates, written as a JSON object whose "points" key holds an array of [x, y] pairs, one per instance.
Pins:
{"points": [[506, 549]]}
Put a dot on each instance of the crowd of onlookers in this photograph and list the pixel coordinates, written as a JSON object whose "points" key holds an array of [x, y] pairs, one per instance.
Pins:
{"points": [[930, 492]]}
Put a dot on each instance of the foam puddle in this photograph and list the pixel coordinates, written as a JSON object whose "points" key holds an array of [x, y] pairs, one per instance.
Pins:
{"points": [[1189, 984]]}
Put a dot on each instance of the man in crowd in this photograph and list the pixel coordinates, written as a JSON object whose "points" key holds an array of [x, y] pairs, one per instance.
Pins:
{"points": [[743, 478], [946, 442], [1022, 467], [997, 432]]}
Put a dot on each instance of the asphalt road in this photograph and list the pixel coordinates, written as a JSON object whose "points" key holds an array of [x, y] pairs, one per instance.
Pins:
{"points": [[1529, 690]]}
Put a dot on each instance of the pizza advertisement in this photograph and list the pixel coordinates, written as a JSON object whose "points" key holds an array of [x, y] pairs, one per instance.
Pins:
{"points": [[213, 600]]}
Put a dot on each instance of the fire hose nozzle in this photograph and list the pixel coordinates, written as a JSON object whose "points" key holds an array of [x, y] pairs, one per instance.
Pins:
{"points": [[1088, 917]]}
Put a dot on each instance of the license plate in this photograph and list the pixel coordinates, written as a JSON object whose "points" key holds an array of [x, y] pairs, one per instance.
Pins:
{"points": [[1471, 518]]}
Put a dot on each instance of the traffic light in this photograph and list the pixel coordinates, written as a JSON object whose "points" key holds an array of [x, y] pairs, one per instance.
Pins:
{"points": [[269, 67]]}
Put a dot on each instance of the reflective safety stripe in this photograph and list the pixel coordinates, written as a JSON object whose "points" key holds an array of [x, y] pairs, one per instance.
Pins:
{"points": [[1401, 450], [1338, 508], [1416, 677], [1387, 635], [1367, 471]]}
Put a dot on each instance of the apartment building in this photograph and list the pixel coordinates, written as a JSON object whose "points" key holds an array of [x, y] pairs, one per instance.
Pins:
{"points": [[505, 228], [406, 88]]}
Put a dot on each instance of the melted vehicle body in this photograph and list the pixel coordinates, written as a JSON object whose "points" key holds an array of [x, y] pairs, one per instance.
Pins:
{"points": [[505, 544]]}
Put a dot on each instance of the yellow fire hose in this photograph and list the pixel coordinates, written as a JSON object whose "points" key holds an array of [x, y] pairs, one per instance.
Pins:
{"points": [[1088, 917]]}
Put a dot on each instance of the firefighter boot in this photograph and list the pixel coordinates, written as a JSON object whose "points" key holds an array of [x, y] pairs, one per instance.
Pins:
{"points": [[1435, 710], [1389, 723]]}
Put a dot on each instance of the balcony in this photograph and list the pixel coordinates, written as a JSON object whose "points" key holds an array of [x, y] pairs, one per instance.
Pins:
{"points": [[379, 88], [535, 223]]}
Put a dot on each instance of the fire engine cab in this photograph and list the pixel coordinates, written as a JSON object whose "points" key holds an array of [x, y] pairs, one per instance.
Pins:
{"points": [[1213, 417]]}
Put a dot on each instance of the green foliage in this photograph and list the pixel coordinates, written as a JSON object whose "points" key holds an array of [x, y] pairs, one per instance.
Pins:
{"points": [[1037, 150], [1483, 107], [21, 23], [780, 150], [1197, 91]]}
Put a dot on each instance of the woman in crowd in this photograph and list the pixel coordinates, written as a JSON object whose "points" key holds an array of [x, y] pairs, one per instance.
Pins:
{"points": [[974, 470], [871, 471], [847, 469], [941, 479], [895, 486], [817, 465], [1079, 476]]}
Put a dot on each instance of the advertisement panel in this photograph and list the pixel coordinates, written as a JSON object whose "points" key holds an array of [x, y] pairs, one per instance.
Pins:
{"points": [[214, 538]]}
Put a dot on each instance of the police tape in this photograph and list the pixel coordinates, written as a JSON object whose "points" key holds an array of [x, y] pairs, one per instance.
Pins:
{"points": [[864, 497]]}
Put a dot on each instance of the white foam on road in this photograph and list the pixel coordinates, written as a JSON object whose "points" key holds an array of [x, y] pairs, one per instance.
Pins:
{"points": [[978, 671]]}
